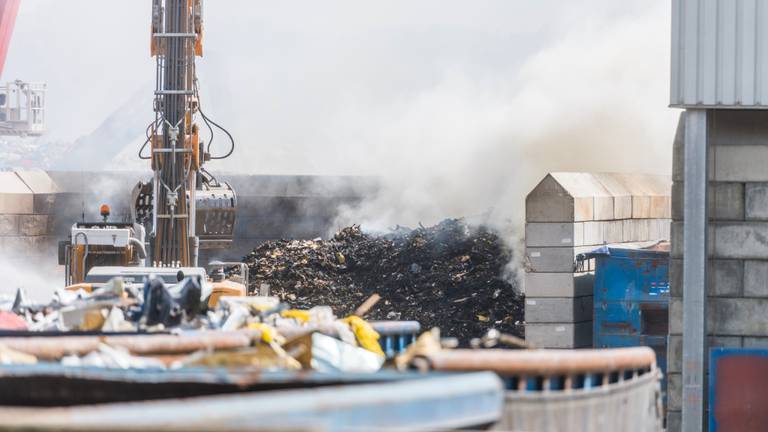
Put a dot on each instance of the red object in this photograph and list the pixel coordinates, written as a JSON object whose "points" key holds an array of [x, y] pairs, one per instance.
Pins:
{"points": [[9, 9], [742, 394], [104, 210], [11, 321]]}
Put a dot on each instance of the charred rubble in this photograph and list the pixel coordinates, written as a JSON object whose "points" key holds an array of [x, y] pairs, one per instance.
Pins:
{"points": [[449, 276]]}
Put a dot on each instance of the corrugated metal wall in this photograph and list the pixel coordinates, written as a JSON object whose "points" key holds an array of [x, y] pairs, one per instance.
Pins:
{"points": [[720, 53]]}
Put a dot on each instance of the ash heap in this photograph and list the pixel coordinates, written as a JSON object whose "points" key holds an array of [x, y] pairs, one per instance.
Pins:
{"points": [[449, 276]]}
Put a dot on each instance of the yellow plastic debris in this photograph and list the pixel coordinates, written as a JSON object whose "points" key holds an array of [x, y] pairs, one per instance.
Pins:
{"points": [[367, 337], [268, 333], [301, 315]]}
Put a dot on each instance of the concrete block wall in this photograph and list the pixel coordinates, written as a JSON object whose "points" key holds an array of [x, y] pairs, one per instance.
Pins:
{"points": [[568, 214], [269, 206], [737, 287], [26, 200]]}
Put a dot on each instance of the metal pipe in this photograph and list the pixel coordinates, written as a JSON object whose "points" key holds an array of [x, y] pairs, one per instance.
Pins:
{"points": [[56, 347], [139, 244], [543, 362]]}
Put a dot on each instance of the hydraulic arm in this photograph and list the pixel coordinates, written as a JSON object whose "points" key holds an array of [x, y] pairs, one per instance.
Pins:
{"points": [[184, 207]]}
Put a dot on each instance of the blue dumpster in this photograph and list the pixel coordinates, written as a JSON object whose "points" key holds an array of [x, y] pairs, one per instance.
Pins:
{"points": [[631, 298]]}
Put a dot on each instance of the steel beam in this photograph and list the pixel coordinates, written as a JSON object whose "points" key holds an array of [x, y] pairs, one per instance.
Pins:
{"points": [[694, 269]]}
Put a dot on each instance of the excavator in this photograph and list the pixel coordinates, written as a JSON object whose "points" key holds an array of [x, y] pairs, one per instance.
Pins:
{"points": [[183, 207]]}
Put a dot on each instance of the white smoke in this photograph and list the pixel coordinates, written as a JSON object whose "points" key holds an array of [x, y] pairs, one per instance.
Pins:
{"points": [[458, 108], [594, 100]]}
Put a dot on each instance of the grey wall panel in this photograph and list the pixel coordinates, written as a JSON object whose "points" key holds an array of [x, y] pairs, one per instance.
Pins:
{"points": [[719, 53]]}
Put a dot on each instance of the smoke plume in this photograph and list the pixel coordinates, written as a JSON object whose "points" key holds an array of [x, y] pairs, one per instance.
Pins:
{"points": [[457, 108]]}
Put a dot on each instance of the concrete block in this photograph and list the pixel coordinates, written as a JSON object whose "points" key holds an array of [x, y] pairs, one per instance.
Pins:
{"points": [[44, 203], [675, 315], [583, 209], [676, 277], [551, 202], [559, 284], [637, 230], [558, 310], [674, 421], [550, 234], [38, 181], [33, 225], [660, 207], [736, 317], [43, 188], [726, 201], [9, 225], [641, 207], [738, 127], [677, 201], [622, 207], [756, 201], [578, 233], [725, 278], [740, 163], [756, 342], [613, 231], [674, 391], [675, 350], [593, 233], [676, 239], [659, 229], [741, 240], [678, 149], [563, 335], [675, 354], [755, 278], [15, 196], [23, 245], [551, 260], [603, 206], [622, 196]]}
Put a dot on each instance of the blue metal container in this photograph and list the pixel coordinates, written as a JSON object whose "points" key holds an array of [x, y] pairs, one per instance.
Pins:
{"points": [[631, 299]]}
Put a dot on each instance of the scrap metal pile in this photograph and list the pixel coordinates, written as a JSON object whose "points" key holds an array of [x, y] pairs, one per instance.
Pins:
{"points": [[448, 276], [154, 325]]}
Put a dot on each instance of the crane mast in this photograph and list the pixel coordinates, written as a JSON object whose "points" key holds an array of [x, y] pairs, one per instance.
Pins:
{"points": [[184, 208], [177, 32]]}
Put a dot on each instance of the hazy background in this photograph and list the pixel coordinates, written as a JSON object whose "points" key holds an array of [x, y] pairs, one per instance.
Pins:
{"points": [[458, 107]]}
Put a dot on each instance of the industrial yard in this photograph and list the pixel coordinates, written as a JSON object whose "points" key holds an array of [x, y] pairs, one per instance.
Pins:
{"points": [[441, 215]]}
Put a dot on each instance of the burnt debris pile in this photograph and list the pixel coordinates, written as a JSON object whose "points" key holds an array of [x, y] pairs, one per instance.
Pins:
{"points": [[447, 276]]}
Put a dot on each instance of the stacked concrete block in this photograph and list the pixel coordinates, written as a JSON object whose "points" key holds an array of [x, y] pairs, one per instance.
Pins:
{"points": [[26, 202], [737, 285], [568, 214]]}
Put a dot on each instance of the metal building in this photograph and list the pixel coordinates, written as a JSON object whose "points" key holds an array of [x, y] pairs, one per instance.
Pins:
{"points": [[719, 54]]}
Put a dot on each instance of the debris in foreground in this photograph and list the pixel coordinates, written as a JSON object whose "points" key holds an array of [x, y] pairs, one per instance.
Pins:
{"points": [[448, 276]]}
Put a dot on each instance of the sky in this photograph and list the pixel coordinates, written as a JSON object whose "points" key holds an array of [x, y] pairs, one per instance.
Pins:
{"points": [[459, 107]]}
